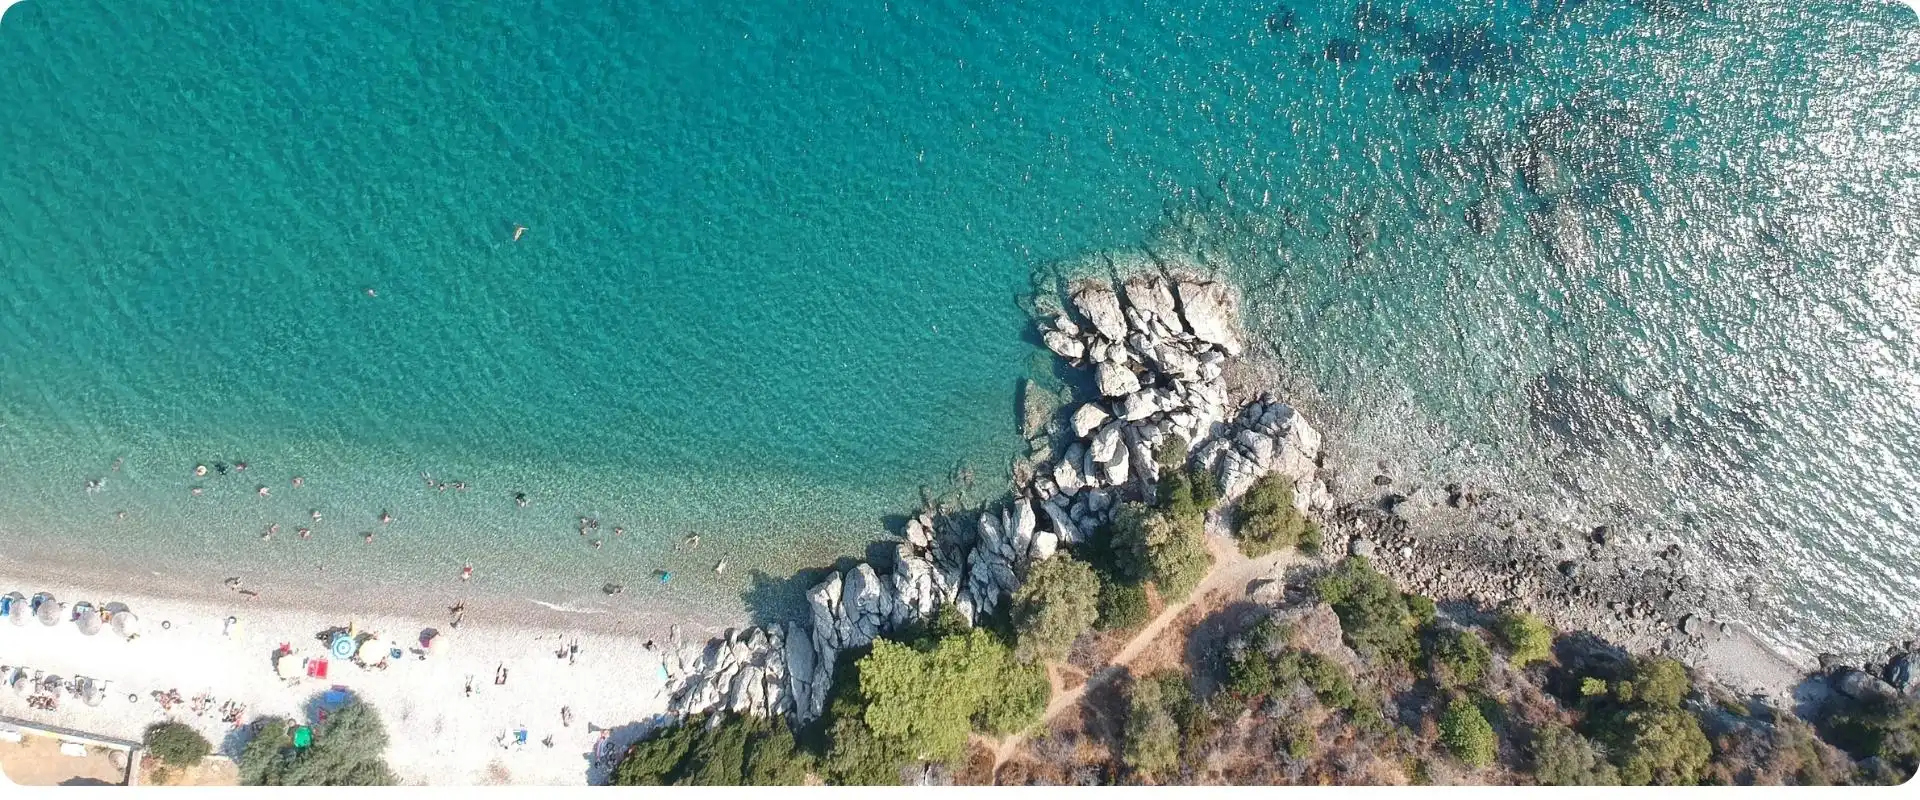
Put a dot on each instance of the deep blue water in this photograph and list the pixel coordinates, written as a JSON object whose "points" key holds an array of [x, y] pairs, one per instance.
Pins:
{"points": [[769, 285]]}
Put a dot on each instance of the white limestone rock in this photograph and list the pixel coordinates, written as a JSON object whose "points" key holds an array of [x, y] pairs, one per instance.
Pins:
{"points": [[1101, 306], [1115, 380], [1088, 418]]}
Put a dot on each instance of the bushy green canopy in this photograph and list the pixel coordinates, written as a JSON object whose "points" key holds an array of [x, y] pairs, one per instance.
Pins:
{"points": [[1269, 521], [1158, 545], [176, 744], [1528, 639], [1467, 734], [734, 751], [1058, 602], [348, 749], [924, 700], [1373, 614]]}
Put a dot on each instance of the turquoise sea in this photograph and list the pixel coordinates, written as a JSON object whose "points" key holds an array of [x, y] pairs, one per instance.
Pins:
{"points": [[1649, 259]]}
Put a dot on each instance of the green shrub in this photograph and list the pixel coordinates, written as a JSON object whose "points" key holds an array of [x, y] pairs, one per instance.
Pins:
{"points": [[1268, 520], [1373, 616], [1017, 702], [1593, 687], [1527, 638], [1157, 545], [1888, 731], [1459, 658], [855, 756], [1467, 734], [1656, 683], [1122, 605], [1152, 737], [1562, 757], [1058, 602], [1249, 672], [1664, 746], [1294, 738], [1421, 608], [774, 758], [655, 761], [176, 744]]}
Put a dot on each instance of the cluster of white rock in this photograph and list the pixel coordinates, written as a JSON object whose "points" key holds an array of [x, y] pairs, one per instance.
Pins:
{"points": [[1158, 346]]}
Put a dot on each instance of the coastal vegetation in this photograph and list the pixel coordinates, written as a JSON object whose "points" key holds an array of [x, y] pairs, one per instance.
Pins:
{"points": [[1269, 520], [723, 750], [1058, 602], [176, 744], [346, 749]]}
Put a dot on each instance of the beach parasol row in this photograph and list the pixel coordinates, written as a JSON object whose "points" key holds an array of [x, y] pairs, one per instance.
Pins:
{"points": [[90, 619]]}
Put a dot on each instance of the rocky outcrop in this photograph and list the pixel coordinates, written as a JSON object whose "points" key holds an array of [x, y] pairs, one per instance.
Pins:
{"points": [[1157, 346]]}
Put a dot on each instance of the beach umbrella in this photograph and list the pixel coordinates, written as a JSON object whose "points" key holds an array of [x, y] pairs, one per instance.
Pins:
{"points": [[86, 618], [21, 683], [47, 609], [125, 624], [342, 646], [370, 650], [93, 692], [17, 608]]}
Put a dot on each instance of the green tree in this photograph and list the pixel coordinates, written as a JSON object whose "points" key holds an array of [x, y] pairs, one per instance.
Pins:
{"points": [[1459, 658], [1058, 602], [1888, 731], [176, 744], [1152, 737], [1373, 615], [1269, 521], [1467, 734], [718, 757], [348, 749], [263, 761], [1665, 746], [1528, 639], [1562, 757], [1122, 605], [923, 700]]}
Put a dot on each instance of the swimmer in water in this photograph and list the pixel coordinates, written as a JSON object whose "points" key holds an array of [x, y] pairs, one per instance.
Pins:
{"points": [[263, 491], [691, 542], [466, 573], [239, 466], [385, 518], [306, 533], [519, 231], [596, 544], [200, 470], [315, 514], [520, 499], [117, 462], [93, 485], [371, 292], [266, 536], [369, 538], [274, 528], [619, 531], [299, 481], [460, 486], [720, 567], [196, 491], [120, 514]]}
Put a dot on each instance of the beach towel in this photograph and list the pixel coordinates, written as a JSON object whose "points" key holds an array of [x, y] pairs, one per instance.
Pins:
{"points": [[317, 668]]}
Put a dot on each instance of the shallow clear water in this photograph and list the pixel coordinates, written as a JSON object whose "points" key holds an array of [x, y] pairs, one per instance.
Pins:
{"points": [[769, 283]]}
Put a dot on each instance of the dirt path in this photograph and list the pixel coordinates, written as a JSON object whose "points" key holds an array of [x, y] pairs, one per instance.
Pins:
{"points": [[1231, 570]]}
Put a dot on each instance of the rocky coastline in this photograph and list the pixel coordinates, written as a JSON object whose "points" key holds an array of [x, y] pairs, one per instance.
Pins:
{"points": [[1159, 345]]}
